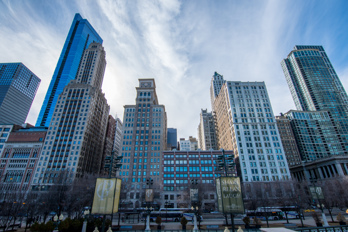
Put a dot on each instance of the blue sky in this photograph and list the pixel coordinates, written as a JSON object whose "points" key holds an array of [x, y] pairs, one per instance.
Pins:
{"points": [[179, 43]]}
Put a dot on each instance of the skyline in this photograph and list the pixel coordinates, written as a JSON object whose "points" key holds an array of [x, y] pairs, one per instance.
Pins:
{"points": [[241, 41]]}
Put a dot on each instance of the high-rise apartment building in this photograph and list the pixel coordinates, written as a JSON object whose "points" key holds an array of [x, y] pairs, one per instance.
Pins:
{"points": [[144, 139], [18, 86], [207, 137], [315, 86], [247, 126], [315, 134], [80, 36], [76, 134], [288, 140], [172, 138]]}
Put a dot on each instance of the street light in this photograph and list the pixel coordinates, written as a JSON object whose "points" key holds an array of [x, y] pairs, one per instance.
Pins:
{"points": [[166, 206], [148, 213], [318, 195], [195, 210], [57, 220], [84, 227]]}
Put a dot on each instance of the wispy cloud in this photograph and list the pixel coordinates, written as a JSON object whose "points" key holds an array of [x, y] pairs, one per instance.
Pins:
{"points": [[179, 43]]}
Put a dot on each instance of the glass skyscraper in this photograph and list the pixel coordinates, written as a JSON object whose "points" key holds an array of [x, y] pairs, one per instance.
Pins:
{"points": [[81, 35], [18, 86], [315, 86]]}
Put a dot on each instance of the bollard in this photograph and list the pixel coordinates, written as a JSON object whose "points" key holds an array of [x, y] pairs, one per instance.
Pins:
{"points": [[239, 229], [96, 229], [226, 229]]}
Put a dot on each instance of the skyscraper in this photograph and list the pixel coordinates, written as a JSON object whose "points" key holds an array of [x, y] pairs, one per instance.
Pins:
{"points": [[18, 86], [217, 82], [76, 135], [315, 86], [207, 137], [144, 139], [247, 126], [288, 140], [80, 36], [172, 137]]}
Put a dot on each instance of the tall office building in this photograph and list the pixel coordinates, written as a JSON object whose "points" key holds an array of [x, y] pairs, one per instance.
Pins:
{"points": [[108, 147], [118, 136], [172, 138], [76, 134], [18, 86], [144, 139], [217, 82], [247, 126], [80, 36], [288, 140], [207, 138], [315, 86]]}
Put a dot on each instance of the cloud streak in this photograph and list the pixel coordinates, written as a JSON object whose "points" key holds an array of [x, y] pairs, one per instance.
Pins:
{"points": [[179, 43]]}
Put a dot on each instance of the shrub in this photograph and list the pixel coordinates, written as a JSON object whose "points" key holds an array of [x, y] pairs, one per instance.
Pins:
{"points": [[35, 227], [246, 220]]}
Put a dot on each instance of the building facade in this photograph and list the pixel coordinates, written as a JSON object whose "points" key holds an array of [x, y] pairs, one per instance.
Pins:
{"points": [[108, 147], [288, 140], [80, 36], [144, 138], [188, 145], [172, 138], [315, 86], [5, 131], [20, 157], [207, 137], [76, 135], [247, 126], [18, 86], [180, 168]]}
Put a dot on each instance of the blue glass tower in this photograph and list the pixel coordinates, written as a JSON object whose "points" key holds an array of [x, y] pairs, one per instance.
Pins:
{"points": [[81, 35], [18, 86], [315, 86]]}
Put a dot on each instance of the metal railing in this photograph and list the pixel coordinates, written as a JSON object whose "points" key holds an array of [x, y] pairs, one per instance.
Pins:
{"points": [[324, 229]]}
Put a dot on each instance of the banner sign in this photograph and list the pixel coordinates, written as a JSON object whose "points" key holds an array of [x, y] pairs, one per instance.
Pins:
{"points": [[194, 195], [229, 193], [317, 193], [149, 195], [106, 196]]}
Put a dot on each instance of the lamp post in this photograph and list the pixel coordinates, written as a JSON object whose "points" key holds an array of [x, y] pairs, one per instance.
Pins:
{"points": [[84, 227], [195, 210], [57, 220], [148, 199], [225, 164], [166, 206], [317, 194], [148, 213]]}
